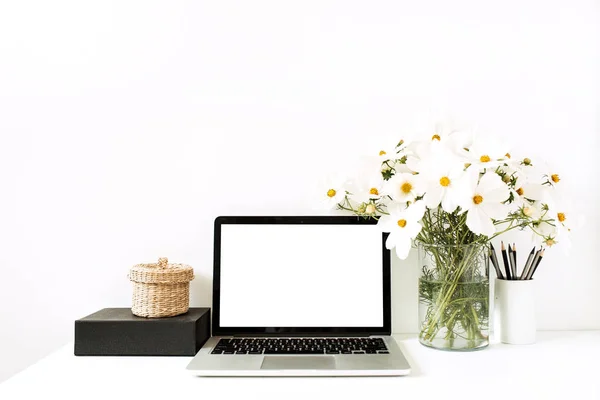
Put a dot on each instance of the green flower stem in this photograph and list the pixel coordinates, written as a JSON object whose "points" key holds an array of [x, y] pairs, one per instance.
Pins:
{"points": [[441, 305], [454, 289]]}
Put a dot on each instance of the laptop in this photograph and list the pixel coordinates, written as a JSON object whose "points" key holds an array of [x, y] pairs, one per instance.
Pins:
{"points": [[300, 296]]}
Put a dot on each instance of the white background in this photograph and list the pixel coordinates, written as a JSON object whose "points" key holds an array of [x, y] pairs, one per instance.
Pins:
{"points": [[301, 275], [127, 127]]}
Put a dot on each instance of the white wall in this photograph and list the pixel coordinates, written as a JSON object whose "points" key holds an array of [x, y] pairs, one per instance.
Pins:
{"points": [[126, 127]]}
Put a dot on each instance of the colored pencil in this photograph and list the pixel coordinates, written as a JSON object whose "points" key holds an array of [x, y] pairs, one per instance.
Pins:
{"points": [[516, 267], [505, 259], [537, 264], [533, 263], [527, 264], [511, 262], [494, 260]]}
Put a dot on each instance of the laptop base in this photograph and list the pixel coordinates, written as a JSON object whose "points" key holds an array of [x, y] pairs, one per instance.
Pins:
{"points": [[207, 364]]}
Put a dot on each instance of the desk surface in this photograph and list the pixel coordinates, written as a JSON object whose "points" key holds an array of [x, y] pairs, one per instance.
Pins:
{"points": [[561, 364]]}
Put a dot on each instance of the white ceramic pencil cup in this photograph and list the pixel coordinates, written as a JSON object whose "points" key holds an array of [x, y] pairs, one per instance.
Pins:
{"points": [[514, 311]]}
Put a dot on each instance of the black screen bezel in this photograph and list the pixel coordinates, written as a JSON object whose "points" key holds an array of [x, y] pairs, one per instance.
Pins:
{"points": [[217, 330]]}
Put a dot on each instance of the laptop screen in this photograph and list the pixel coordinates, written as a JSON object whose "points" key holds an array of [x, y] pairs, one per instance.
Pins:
{"points": [[301, 275]]}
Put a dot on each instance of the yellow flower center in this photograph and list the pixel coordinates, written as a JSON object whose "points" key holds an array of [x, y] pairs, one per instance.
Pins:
{"points": [[406, 187], [526, 161], [555, 178], [520, 191], [549, 242], [382, 153], [374, 191], [561, 217], [331, 192], [477, 199], [485, 158], [444, 181], [507, 155], [401, 223], [436, 137]]}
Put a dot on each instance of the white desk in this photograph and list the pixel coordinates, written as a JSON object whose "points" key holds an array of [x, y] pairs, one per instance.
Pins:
{"points": [[560, 365]]}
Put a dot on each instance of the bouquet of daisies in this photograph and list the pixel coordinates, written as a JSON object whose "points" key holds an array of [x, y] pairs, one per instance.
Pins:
{"points": [[452, 187], [453, 193]]}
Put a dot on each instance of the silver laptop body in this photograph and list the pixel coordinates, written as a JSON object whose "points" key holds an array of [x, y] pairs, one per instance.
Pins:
{"points": [[300, 296]]}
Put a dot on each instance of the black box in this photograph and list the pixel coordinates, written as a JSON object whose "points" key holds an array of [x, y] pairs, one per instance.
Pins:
{"points": [[117, 332]]}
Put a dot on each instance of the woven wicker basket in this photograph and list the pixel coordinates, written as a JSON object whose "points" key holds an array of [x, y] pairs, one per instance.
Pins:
{"points": [[161, 289]]}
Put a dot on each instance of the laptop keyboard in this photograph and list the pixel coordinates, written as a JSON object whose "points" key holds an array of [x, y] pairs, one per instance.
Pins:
{"points": [[301, 346]]}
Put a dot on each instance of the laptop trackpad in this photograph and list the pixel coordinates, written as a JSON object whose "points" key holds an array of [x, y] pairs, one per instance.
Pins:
{"points": [[298, 362]]}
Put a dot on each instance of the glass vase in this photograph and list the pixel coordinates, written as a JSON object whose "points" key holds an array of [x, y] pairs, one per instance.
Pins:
{"points": [[454, 296]]}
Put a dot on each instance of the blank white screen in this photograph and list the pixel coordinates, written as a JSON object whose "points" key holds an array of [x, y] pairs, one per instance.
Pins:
{"points": [[301, 276]]}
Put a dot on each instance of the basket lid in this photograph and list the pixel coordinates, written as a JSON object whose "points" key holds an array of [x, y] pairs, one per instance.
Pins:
{"points": [[161, 272]]}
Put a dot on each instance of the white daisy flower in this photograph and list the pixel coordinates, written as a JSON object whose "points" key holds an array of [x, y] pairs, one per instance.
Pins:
{"points": [[404, 187], [563, 230], [390, 153], [403, 225], [483, 202], [508, 157], [553, 178], [548, 175], [445, 139], [333, 191], [562, 218], [366, 187], [565, 218], [445, 131], [529, 191], [443, 179], [486, 153]]}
